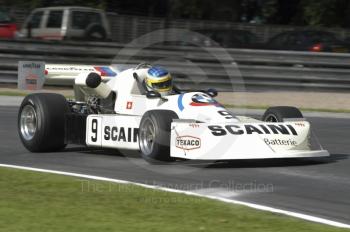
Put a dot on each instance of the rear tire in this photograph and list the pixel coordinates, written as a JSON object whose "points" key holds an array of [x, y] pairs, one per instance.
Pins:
{"points": [[154, 135], [279, 113], [41, 122]]}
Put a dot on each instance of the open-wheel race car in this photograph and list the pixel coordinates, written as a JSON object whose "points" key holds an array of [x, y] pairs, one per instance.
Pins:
{"points": [[119, 110]]}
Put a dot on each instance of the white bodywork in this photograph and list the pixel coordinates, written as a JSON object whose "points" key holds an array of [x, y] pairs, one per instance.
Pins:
{"points": [[205, 130], [242, 141]]}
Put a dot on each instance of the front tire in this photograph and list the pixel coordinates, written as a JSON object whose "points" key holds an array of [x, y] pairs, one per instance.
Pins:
{"points": [[41, 122], [154, 135], [279, 113]]}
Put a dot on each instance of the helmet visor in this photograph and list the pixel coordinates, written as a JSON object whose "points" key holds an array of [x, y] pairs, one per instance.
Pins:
{"points": [[165, 86]]}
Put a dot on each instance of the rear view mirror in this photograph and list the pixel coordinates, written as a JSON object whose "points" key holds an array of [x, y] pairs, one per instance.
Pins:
{"points": [[153, 94], [212, 92]]}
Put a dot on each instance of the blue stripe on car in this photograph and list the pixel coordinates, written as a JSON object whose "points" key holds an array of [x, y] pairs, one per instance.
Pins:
{"points": [[179, 102]]}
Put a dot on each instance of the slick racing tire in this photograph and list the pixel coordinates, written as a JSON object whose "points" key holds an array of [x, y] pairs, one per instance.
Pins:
{"points": [[41, 122], [279, 113], [154, 135]]}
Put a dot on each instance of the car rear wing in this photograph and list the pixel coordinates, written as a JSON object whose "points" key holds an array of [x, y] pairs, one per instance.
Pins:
{"points": [[32, 75]]}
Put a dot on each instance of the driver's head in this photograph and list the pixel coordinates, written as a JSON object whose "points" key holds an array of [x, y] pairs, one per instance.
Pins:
{"points": [[159, 79]]}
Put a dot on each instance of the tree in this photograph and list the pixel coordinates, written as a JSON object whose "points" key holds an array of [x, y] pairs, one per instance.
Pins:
{"points": [[30, 4], [205, 9], [326, 12]]}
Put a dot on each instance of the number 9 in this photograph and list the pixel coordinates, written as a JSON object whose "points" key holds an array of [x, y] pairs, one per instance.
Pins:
{"points": [[226, 114], [94, 130]]}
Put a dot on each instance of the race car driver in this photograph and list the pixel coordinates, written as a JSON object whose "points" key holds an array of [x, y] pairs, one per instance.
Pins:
{"points": [[159, 79]]}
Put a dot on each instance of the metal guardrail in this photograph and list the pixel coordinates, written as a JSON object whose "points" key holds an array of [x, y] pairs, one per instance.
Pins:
{"points": [[194, 67]]}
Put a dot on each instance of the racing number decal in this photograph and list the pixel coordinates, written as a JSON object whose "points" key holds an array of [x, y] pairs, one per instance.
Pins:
{"points": [[94, 130], [226, 114]]}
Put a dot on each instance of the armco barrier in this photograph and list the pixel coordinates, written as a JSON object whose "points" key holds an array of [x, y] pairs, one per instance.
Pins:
{"points": [[195, 67]]}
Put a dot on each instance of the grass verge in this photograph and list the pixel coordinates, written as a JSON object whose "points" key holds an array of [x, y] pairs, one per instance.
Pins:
{"points": [[31, 201], [12, 93]]}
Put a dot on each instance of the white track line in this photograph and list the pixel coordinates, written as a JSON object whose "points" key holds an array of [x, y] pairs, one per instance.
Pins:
{"points": [[251, 205]]}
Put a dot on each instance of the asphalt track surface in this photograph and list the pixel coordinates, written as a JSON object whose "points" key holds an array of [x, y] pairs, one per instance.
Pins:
{"points": [[318, 187]]}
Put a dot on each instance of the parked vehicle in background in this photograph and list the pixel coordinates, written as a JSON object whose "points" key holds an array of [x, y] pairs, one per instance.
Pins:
{"points": [[314, 41], [59, 23], [231, 38], [221, 38], [8, 27]]}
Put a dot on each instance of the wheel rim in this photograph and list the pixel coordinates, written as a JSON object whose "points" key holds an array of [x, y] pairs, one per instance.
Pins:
{"points": [[28, 122], [271, 118], [147, 137], [96, 35]]}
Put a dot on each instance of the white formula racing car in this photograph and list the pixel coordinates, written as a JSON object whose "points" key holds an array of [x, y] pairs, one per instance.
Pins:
{"points": [[113, 109]]}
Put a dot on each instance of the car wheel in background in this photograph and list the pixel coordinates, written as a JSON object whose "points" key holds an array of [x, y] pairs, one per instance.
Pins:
{"points": [[95, 32], [279, 113]]}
